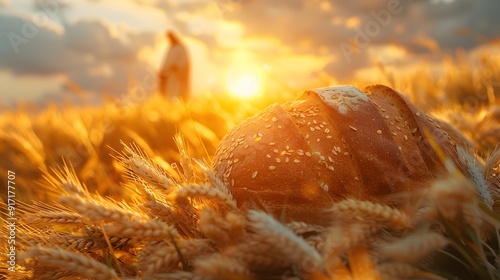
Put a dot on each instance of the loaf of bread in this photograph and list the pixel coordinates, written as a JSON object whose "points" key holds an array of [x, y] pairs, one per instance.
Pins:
{"points": [[296, 159]]}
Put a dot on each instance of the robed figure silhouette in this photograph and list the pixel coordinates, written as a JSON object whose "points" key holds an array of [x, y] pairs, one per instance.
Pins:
{"points": [[174, 74]]}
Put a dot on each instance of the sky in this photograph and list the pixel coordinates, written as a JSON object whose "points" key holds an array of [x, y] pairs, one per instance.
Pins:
{"points": [[56, 50]]}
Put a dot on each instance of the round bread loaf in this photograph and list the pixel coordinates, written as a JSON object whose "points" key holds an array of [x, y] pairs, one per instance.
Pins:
{"points": [[332, 143]]}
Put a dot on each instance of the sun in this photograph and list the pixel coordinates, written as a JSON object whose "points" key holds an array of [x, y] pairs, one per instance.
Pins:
{"points": [[244, 81]]}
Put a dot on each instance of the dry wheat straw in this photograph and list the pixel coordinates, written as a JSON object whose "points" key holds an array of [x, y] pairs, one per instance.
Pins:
{"points": [[77, 264], [370, 212], [206, 192], [414, 247], [166, 258]]}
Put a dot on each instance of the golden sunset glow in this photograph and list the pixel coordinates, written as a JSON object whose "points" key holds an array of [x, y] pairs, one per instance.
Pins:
{"points": [[244, 81]]}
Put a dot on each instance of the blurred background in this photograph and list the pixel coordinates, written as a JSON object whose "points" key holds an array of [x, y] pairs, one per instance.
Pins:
{"points": [[82, 50]]}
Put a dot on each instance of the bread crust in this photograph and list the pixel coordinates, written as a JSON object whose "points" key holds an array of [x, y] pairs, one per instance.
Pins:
{"points": [[330, 144]]}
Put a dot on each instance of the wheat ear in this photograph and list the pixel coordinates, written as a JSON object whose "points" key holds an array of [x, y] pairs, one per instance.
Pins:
{"points": [[222, 230], [303, 228], [139, 165], [65, 178], [221, 267], [78, 264], [166, 257], [100, 211], [281, 240], [124, 222], [450, 195], [367, 211], [59, 217], [206, 192]]}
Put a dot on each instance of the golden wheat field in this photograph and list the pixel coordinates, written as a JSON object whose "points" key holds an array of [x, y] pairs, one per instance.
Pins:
{"points": [[126, 191]]}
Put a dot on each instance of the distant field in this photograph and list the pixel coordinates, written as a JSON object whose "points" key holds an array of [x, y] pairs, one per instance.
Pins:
{"points": [[101, 143]]}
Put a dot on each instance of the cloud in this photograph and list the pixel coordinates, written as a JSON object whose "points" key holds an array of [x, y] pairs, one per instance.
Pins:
{"points": [[93, 54], [295, 20], [335, 37], [28, 48], [418, 26], [5, 3]]}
